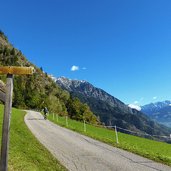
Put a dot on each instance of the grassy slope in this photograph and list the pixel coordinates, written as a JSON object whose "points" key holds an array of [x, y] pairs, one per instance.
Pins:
{"points": [[154, 150], [25, 152]]}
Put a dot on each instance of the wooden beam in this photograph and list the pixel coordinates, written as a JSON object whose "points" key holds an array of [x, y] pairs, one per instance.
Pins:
{"points": [[2, 95], [16, 70], [6, 124]]}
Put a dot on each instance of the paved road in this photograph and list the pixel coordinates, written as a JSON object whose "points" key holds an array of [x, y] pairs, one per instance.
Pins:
{"points": [[80, 153]]}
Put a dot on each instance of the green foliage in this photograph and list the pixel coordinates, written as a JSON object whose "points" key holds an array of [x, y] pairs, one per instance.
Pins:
{"points": [[18, 98], [13, 52], [8, 56], [80, 111], [88, 115], [54, 104]]}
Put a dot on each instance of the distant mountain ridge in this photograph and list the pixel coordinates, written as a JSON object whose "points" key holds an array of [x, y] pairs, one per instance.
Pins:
{"points": [[156, 106], [87, 89], [159, 111], [110, 109]]}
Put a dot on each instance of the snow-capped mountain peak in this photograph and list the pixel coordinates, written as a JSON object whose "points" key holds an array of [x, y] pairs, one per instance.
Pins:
{"points": [[133, 106], [159, 111], [157, 105]]}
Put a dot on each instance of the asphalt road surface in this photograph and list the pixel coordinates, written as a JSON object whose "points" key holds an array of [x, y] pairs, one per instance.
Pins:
{"points": [[80, 153]]}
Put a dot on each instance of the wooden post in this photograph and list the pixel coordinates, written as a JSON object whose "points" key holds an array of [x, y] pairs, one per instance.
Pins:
{"points": [[85, 126], [67, 121], [6, 123], [57, 119], [6, 97], [116, 133]]}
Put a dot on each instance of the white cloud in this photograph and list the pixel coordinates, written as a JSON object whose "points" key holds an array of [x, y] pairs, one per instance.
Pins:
{"points": [[133, 106], [74, 68], [154, 98]]}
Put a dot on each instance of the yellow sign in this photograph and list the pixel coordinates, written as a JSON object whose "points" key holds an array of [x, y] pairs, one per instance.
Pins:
{"points": [[16, 70]]}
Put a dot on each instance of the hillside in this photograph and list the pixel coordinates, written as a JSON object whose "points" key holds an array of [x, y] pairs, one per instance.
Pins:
{"points": [[39, 90], [111, 110], [159, 111]]}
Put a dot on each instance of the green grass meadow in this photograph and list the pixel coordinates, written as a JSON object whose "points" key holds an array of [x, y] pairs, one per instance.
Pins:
{"points": [[25, 152], [158, 151]]}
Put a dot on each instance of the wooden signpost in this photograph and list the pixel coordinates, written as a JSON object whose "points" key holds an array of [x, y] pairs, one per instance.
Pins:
{"points": [[6, 97]]}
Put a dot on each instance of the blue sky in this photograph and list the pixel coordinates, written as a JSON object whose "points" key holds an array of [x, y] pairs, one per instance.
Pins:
{"points": [[121, 46]]}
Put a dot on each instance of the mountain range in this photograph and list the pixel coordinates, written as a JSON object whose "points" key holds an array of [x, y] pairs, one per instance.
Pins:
{"points": [[159, 111], [77, 99], [109, 109]]}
